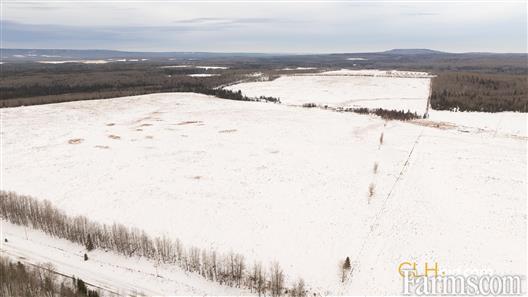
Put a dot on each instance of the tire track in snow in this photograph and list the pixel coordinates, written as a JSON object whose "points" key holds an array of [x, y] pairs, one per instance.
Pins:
{"points": [[356, 262]]}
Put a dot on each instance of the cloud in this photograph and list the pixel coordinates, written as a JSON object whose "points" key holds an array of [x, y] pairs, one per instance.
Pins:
{"points": [[420, 13], [211, 20], [269, 27]]}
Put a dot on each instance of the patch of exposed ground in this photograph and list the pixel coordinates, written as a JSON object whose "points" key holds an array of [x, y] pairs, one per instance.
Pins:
{"points": [[75, 141], [189, 122], [227, 131], [433, 124]]}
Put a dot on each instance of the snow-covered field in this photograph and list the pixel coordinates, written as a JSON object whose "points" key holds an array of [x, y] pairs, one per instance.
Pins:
{"points": [[277, 182], [199, 67], [513, 123], [399, 90], [203, 75]]}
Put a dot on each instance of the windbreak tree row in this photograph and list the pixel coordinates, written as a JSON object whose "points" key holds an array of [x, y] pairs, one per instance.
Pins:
{"points": [[228, 269]]}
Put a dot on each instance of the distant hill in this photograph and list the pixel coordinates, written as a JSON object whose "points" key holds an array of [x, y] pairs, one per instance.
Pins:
{"points": [[412, 51], [65, 54]]}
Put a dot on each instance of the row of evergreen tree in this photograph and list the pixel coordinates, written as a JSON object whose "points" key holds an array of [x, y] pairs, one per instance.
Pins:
{"points": [[386, 114], [224, 268]]}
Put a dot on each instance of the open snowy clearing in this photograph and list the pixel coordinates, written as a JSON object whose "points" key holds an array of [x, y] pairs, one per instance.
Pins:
{"points": [[203, 75], [396, 90], [114, 274], [513, 123], [75, 61], [299, 68], [199, 67], [277, 182]]}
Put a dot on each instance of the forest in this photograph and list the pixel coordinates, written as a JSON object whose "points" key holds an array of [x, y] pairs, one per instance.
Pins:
{"points": [[465, 82], [466, 91]]}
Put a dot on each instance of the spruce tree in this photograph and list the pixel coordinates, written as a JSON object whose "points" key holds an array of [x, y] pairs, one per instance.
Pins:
{"points": [[89, 243], [346, 267]]}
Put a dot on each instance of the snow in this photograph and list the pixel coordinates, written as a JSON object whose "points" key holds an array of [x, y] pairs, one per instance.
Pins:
{"points": [[255, 74], [176, 66], [110, 271], [211, 67], [284, 183], [514, 123], [200, 67], [376, 72], [203, 75], [75, 61], [347, 88], [299, 68], [357, 59]]}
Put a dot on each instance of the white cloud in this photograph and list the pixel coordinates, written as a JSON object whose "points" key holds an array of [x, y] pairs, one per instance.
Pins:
{"points": [[285, 26]]}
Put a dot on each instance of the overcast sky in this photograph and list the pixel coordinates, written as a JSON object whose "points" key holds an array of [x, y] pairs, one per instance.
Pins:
{"points": [[266, 26]]}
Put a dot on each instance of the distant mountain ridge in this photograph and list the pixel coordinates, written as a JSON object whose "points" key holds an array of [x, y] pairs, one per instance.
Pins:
{"points": [[413, 51], [64, 54], [35, 55]]}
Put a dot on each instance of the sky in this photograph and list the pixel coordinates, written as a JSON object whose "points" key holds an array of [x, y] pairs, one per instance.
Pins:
{"points": [[265, 26]]}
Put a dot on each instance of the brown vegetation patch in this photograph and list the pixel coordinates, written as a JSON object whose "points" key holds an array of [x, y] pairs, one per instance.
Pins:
{"points": [[110, 124], [145, 125], [189, 122], [75, 141], [114, 136], [433, 124], [228, 131]]}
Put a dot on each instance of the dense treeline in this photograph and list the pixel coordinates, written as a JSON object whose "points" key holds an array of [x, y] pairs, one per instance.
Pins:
{"points": [[111, 93], [386, 114], [228, 269], [472, 82], [400, 115], [480, 92], [28, 281], [31, 83]]}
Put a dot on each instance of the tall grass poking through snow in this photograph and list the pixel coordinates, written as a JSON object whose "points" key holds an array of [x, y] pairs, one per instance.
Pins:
{"points": [[224, 268]]}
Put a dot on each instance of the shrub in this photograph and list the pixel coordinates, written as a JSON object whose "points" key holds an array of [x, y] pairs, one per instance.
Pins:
{"points": [[371, 191]]}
